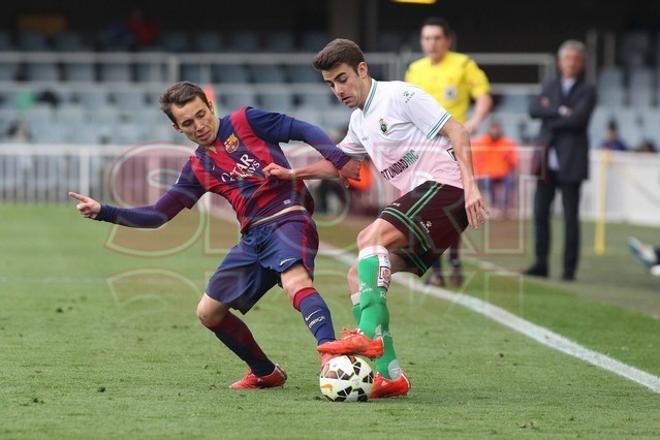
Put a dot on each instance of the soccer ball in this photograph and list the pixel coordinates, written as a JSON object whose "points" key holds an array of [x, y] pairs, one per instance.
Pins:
{"points": [[347, 379]]}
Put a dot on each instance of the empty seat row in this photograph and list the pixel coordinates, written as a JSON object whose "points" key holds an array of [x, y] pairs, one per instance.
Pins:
{"points": [[155, 72], [118, 38]]}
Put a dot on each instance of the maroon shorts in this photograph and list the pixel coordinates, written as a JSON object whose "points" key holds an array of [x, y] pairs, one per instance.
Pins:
{"points": [[433, 217]]}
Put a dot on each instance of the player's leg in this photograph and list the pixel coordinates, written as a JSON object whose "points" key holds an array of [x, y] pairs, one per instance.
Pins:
{"points": [[299, 287], [289, 250], [570, 196], [238, 283], [236, 336], [545, 194]]}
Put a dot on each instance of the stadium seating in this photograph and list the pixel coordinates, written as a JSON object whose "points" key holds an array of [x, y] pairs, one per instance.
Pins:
{"points": [[123, 91]]}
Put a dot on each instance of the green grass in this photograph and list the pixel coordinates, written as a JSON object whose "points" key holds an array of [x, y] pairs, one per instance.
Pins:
{"points": [[95, 343]]}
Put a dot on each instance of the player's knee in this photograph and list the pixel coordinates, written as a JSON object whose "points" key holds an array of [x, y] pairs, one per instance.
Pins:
{"points": [[365, 238], [210, 315]]}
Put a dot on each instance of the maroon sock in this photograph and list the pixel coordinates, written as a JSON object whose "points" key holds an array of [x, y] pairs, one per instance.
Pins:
{"points": [[238, 338]]}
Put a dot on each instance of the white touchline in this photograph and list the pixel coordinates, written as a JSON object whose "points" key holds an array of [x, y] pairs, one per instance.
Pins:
{"points": [[507, 319]]}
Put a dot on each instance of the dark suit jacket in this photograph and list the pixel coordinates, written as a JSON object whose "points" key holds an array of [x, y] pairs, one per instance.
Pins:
{"points": [[567, 134]]}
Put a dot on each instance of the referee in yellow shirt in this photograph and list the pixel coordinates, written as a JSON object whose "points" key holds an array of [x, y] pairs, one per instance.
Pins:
{"points": [[453, 79]]}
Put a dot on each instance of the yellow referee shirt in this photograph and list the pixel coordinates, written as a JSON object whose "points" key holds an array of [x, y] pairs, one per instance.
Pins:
{"points": [[452, 82]]}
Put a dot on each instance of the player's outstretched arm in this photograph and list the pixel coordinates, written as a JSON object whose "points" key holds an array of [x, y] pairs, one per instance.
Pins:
{"points": [[152, 216], [322, 169], [460, 140]]}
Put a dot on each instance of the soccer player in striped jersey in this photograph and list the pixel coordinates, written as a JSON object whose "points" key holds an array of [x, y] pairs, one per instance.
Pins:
{"points": [[425, 153], [279, 239]]}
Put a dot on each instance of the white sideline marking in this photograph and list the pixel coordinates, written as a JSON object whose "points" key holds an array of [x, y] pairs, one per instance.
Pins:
{"points": [[516, 323]]}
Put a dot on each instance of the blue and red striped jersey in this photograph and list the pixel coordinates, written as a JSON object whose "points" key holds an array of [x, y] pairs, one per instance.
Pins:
{"points": [[247, 141]]}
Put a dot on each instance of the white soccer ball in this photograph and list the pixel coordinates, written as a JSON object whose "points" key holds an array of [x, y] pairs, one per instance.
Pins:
{"points": [[347, 379]]}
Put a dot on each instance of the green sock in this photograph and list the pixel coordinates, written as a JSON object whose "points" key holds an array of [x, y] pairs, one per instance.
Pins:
{"points": [[373, 275], [388, 365], [372, 297]]}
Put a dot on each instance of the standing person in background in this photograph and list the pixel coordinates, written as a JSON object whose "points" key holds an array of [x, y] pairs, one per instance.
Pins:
{"points": [[564, 106], [453, 79], [495, 159]]}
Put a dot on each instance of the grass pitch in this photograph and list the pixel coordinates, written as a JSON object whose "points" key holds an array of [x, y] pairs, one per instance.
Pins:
{"points": [[98, 343]]}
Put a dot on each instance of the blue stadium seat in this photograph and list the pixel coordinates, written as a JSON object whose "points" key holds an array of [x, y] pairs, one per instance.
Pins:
{"points": [[133, 99], [390, 41], [641, 88], [196, 73], [42, 72], [103, 115], [612, 97], [243, 41], [40, 113], [279, 42], [128, 133], [70, 114], [79, 72], [610, 77], [281, 101], [115, 72], [207, 41], [8, 71], [233, 100], [32, 41], [513, 103], [175, 41], [314, 41], [5, 41], [49, 132], [150, 72], [86, 134], [267, 74], [303, 74], [69, 42], [320, 100], [92, 99], [229, 73]]}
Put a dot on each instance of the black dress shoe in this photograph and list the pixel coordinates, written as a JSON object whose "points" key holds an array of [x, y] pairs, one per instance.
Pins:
{"points": [[568, 276], [537, 270]]}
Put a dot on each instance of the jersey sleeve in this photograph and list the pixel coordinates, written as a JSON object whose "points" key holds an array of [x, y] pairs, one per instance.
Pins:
{"points": [[351, 145], [419, 108], [187, 188], [476, 80], [272, 127]]}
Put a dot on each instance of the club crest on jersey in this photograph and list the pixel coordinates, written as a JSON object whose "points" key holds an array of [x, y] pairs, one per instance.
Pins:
{"points": [[232, 143], [383, 126]]}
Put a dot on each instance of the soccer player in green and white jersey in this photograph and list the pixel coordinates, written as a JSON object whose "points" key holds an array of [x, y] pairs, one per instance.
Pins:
{"points": [[421, 150]]}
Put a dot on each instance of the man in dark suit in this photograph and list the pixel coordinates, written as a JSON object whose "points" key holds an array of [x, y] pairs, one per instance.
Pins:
{"points": [[565, 106]]}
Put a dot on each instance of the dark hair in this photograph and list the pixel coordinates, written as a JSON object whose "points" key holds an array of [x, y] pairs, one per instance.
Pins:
{"points": [[439, 21], [180, 94], [337, 52]]}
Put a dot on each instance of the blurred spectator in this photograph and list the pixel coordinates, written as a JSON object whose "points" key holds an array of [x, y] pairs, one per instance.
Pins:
{"points": [[612, 140], [646, 254], [646, 146], [18, 132], [453, 79], [495, 159], [564, 107], [143, 28]]}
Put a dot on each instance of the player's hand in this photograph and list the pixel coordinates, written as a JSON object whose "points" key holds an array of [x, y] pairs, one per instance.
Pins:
{"points": [[278, 171], [475, 206], [351, 170], [87, 206]]}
